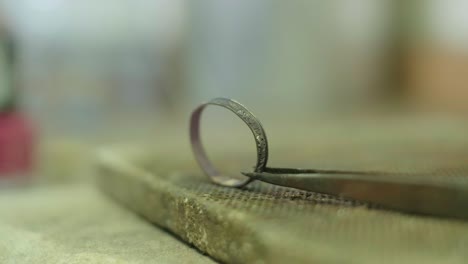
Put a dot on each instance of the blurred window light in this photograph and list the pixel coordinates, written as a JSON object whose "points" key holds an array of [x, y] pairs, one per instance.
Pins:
{"points": [[45, 5], [447, 22], [362, 21]]}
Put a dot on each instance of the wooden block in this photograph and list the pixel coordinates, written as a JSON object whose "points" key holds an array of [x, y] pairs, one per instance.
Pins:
{"points": [[262, 223]]}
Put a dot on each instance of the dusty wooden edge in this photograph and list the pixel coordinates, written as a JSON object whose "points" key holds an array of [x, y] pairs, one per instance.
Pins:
{"points": [[162, 204], [226, 235], [241, 236]]}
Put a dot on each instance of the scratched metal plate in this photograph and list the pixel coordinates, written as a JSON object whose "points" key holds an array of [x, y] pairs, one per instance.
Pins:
{"points": [[262, 223]]}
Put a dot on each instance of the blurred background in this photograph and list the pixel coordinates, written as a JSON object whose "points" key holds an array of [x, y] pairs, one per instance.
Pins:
{"points": [[100, 69]]}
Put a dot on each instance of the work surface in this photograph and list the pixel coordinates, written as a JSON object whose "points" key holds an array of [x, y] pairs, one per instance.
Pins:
{"points": [[262, 223], [76, 224]]}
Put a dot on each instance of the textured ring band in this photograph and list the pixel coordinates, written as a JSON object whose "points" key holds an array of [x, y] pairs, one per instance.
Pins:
{"points": [[252, 122]]}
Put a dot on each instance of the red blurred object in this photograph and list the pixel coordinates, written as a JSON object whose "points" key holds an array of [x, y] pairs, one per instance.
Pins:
{"points": [[16, 145]]}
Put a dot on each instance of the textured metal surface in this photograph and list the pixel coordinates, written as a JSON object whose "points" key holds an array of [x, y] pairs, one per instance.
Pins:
{"points": [[437, 196], [410, 193], [264, 223], [254, 125]]}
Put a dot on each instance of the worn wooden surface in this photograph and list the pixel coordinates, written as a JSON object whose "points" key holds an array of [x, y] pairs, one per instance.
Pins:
{"points": [[262, 223], [267, 224]]}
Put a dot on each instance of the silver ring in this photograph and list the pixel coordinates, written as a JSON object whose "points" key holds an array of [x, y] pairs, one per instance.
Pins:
{"points": [[252, 122]]}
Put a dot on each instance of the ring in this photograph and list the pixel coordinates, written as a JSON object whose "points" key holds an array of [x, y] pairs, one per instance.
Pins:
{"points": [[252, 122]]}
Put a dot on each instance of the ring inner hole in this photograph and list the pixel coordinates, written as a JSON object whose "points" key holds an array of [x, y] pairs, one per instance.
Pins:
{"points": [[228, 142]]}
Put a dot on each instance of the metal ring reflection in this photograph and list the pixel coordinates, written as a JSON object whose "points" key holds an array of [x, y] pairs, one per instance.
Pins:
{"points": [[252, 122]]}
